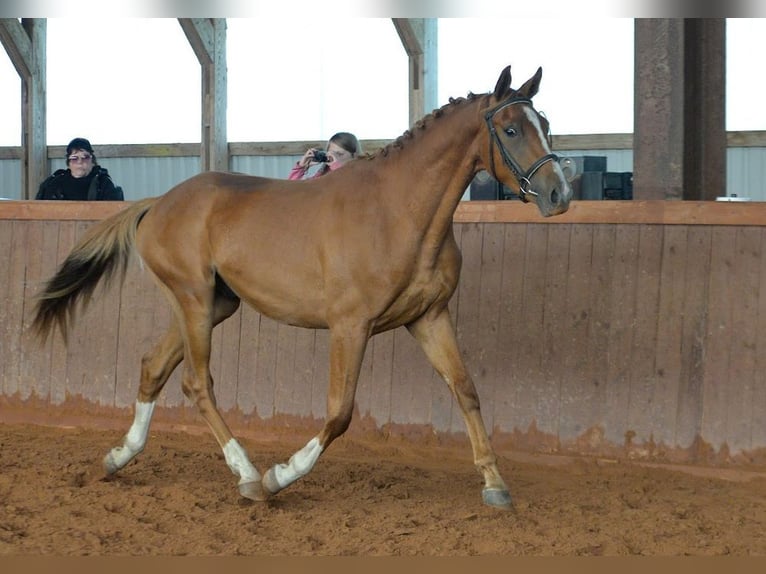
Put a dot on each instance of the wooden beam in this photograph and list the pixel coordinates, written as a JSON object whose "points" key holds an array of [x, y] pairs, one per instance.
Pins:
{"points": [[704, 108], [656, 212], [25, 44], [410, 32], [199, 32], [652, 212], [563, 142], [418, 36], [17, 43], [207, 37]]}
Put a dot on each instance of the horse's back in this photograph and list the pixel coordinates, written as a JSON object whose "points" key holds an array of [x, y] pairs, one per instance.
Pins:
{"points": [[212, 185], [219, 198]]}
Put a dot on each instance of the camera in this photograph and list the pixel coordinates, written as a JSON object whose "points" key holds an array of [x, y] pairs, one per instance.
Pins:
{"points": [[320, 156]]}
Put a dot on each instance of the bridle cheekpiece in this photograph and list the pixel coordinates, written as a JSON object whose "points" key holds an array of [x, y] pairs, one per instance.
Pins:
{"points": [[523, 177]]}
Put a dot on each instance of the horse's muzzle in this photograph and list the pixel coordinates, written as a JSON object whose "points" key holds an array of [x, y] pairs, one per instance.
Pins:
{"points": [[555, 200]]}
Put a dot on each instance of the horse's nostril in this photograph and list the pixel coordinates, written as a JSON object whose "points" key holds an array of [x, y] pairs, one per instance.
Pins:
{"points": [[554, 197]]}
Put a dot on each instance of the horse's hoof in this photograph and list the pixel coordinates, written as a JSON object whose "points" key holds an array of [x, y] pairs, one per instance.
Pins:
{"points": [[269, 482], [109, 465], [253, 491], [499, 498]]}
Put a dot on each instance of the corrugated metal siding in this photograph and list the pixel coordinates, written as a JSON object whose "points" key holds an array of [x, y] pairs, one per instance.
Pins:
{"points": [[264, 166], [10, 178], [747, 172], [147, 176], [151, 176]]}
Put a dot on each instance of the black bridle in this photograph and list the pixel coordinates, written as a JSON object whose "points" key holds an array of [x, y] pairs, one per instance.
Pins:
{"points": [[523, 177]]}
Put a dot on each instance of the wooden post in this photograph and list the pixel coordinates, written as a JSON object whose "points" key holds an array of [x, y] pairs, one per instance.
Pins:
{"points": [[679, 145], [705, 94], [419, 38], [207, 37], [25, 43]]}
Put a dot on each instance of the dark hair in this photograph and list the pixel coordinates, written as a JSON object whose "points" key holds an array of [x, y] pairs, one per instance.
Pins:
{"points": [[348, 142], [80, 143]]}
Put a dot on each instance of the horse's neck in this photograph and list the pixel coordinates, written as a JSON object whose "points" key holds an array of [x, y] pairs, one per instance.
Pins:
{"points": [[439, 164]]}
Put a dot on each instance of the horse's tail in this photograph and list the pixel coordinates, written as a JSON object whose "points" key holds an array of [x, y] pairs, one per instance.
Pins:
{"points": [[103, 252]]}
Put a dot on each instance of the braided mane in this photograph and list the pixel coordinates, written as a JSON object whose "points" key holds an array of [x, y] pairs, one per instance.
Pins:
{"points": [[422, 124]]}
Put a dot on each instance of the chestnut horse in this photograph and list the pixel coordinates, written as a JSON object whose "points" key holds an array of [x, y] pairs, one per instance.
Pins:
{"points": [[362, 250]]}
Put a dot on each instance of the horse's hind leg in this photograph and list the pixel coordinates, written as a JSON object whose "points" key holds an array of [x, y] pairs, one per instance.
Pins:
{"points": [[156, 367], [437, 337]]}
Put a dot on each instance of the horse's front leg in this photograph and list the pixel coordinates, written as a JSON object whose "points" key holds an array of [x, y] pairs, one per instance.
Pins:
{"points": [[347, 346], [437, 336]]}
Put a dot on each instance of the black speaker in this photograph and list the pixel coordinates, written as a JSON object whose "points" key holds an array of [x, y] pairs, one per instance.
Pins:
{"points": [[585, 173], [591, 186], [618, 185], [589, 162], [597, 185]]}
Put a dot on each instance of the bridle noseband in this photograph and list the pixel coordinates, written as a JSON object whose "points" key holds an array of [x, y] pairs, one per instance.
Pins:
{"points": [[522, 176]]}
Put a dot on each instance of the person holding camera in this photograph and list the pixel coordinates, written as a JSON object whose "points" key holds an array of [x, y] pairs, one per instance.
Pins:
{"points": [[341, 148]]}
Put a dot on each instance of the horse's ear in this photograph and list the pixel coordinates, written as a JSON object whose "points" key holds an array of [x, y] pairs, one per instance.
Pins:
{"points": [[503, 83], [530, 87]]}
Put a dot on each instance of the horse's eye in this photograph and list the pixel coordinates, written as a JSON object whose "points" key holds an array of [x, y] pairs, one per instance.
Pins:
{"points": [[510, 131]]}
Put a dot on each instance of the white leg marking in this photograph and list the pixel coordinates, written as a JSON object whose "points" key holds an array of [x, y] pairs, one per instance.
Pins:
{"points": [[133, 442], [139, 430], [299, 464], [240, 465]]}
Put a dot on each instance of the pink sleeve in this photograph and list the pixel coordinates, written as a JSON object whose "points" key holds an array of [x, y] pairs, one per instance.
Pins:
{"points": [[297, 172]]}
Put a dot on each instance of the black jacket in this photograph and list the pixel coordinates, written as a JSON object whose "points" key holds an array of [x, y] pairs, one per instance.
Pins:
{"points": [[97, 185]]}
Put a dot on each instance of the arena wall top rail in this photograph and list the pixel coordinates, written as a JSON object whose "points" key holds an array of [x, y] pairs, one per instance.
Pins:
{"points": [[605, 212]]}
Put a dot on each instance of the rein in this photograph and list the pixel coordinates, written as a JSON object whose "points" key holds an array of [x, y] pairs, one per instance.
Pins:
{"points": [[523, 177]]}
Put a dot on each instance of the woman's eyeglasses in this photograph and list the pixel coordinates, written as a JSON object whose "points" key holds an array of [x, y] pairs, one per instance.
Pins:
{"points": [[78, 158]]}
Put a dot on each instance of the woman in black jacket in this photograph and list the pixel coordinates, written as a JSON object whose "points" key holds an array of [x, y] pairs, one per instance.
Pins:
{"points": [[83, 180]]}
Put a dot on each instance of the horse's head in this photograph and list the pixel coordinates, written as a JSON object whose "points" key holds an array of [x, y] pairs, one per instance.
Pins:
{"points": [[518, 152]]}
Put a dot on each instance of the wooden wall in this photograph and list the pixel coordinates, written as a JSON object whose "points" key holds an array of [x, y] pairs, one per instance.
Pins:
{"points": [[631, 329]]}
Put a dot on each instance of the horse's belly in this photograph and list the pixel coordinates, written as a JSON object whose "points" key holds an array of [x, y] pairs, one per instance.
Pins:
{"points": [[290, 312], [293, 301]]}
